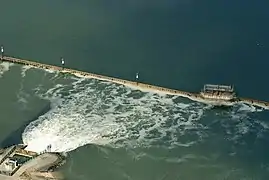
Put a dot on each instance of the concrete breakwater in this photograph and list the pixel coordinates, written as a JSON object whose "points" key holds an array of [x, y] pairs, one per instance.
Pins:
{"points": [[43, 165], [137, 85], [19, 164]]}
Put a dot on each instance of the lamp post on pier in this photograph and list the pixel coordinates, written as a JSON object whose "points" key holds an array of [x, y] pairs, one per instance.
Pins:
{"points": [[2, 52], [136, 78], [62, 62]]}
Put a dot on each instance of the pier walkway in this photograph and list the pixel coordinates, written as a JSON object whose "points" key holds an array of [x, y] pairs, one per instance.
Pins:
{"points": [[136, 85], [44, 160], [35, 168]]}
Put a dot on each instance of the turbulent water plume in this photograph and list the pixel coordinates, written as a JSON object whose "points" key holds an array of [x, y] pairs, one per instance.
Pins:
{"points": [[4, 67], [105, 113], [90, 111]]}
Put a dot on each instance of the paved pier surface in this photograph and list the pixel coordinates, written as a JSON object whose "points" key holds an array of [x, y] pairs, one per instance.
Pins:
{"points": [[40, 162], [3, 177], [140, 86]]}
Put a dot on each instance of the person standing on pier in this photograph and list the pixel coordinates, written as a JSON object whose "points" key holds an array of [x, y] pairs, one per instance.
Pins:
{"points": [[62, 62], [49, 148], [2, 52]]}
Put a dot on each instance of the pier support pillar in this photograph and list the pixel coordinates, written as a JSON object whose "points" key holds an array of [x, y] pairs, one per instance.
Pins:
{"points": [[2, 52]]}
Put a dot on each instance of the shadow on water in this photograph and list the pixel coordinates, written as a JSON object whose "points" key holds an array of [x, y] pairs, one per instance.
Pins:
{"points": [[222, 108], [16, 136]]}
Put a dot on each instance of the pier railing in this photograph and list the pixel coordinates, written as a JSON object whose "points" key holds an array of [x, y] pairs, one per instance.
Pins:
{"points": [[7, 154]]}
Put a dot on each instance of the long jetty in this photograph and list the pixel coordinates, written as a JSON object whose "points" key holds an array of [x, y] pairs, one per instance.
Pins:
{"points": [[136, 85]]}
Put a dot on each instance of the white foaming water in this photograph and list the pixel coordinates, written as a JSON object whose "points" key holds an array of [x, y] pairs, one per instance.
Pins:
{"points": [[105, 113], [99, 112], [4, 67], [49, 70], [24, 69], [249, 108]]}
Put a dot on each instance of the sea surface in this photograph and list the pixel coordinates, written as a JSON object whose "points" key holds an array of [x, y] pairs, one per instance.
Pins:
{"points": [[113, 132]]}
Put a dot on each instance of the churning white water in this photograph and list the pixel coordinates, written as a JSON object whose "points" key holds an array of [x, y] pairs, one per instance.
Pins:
{"points": [[95, 112]]}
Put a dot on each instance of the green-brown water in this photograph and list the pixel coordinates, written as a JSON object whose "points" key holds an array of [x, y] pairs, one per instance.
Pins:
{"points": [[113, 132]]}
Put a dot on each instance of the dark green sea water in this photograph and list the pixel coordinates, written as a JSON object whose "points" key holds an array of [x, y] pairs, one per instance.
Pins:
{"points": [[114, 132]]}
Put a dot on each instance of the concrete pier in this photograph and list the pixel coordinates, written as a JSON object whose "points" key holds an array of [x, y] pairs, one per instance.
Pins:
{"points": [[19, 164], [138, 85]]}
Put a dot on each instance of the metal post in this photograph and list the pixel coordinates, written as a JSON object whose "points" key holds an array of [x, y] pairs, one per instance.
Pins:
{"points": [[136, 78], [62, 62], [2, 52]]}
